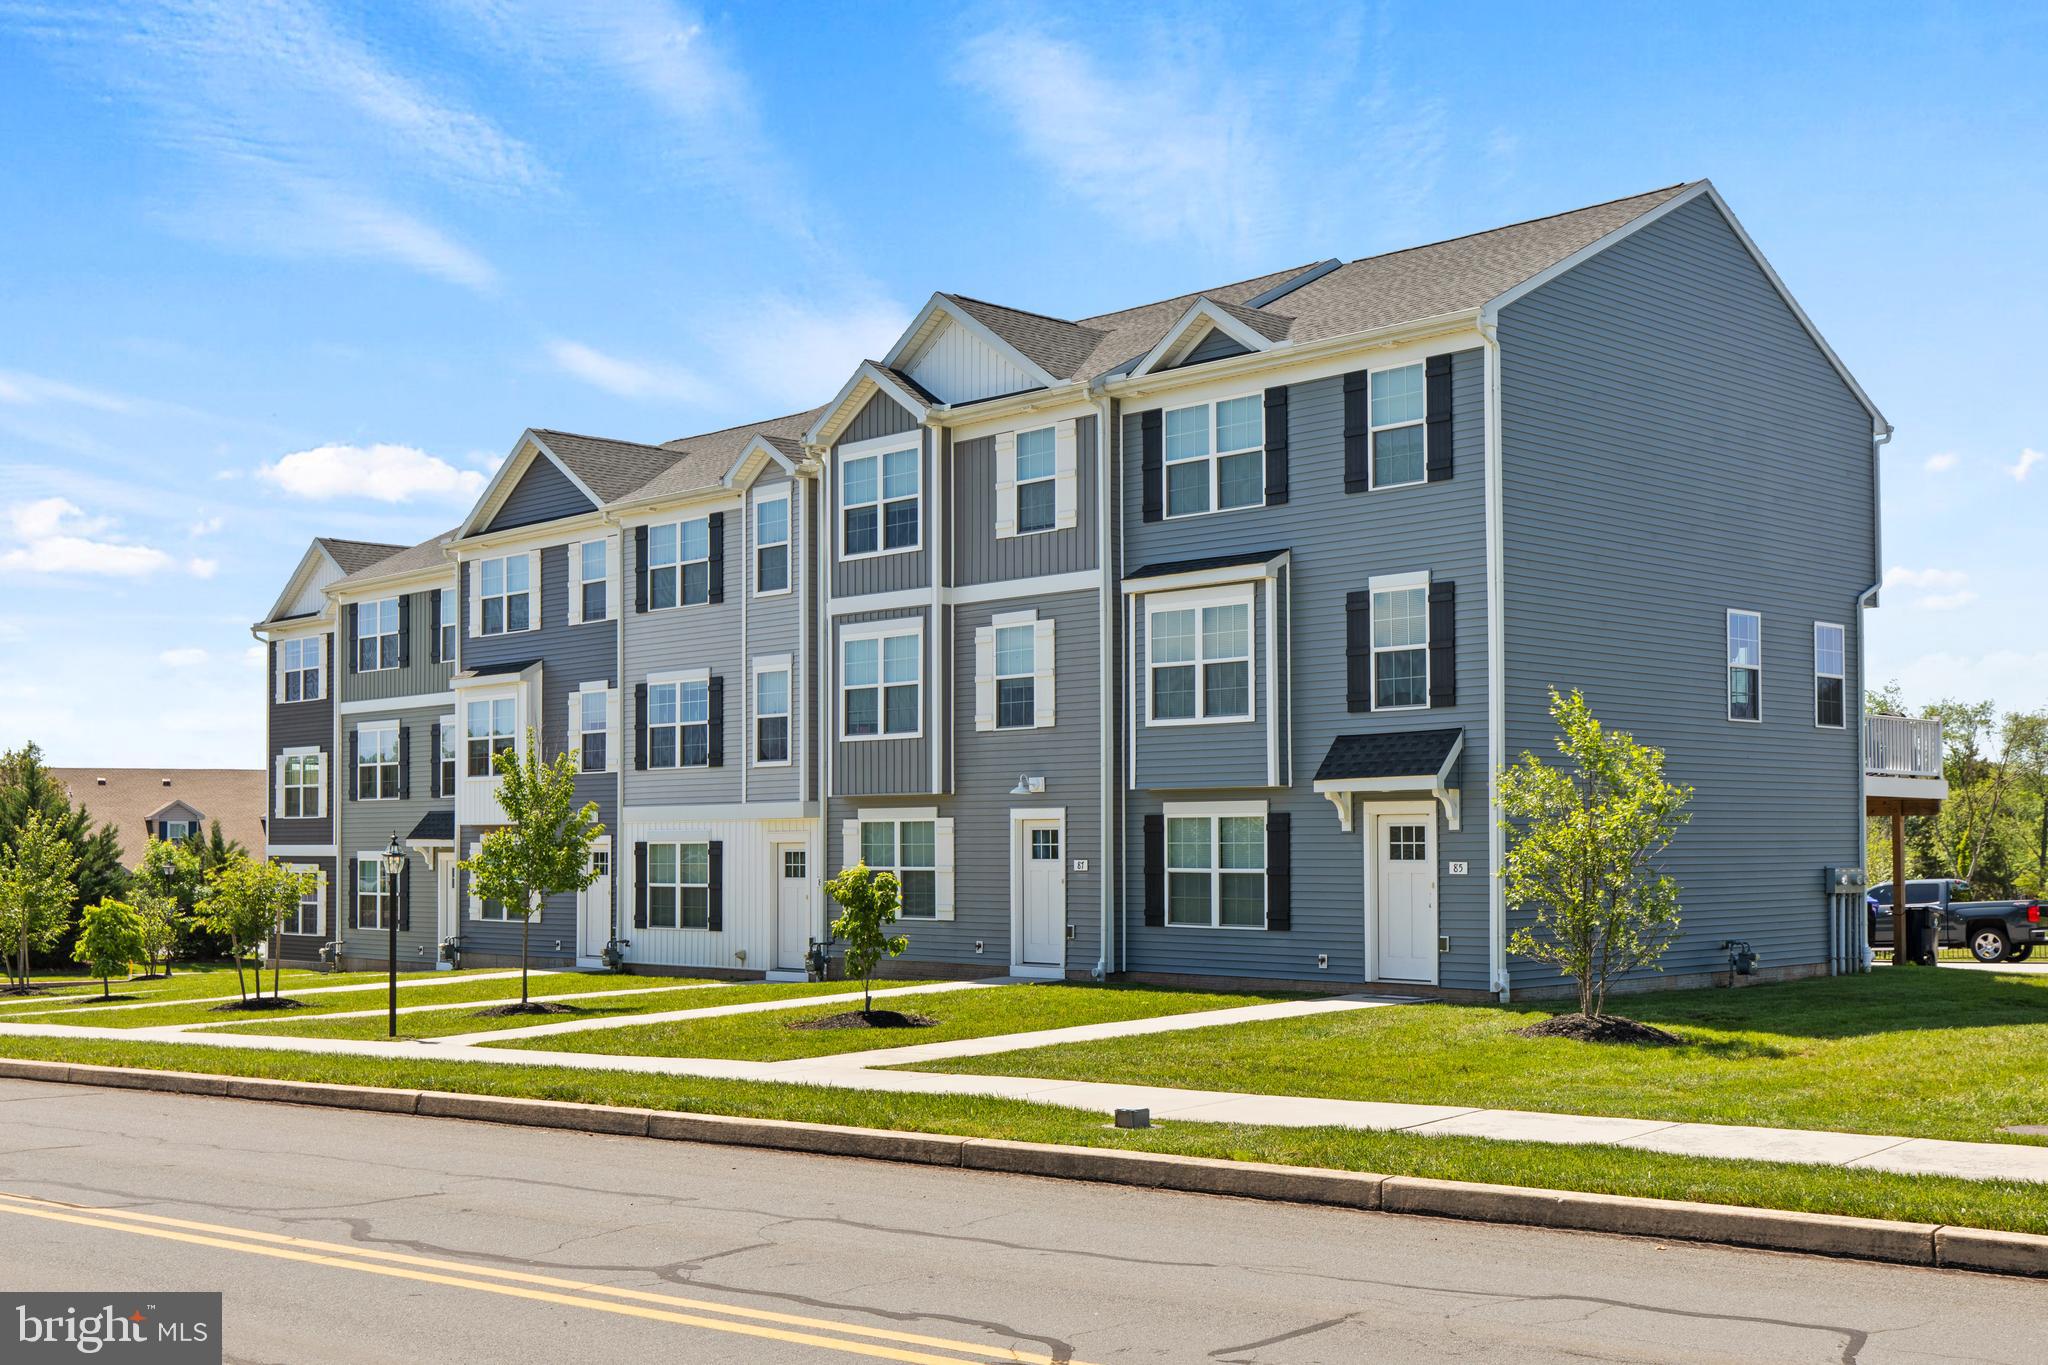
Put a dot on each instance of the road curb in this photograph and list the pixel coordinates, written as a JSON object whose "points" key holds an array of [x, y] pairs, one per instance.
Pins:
{"points": [[1864, 1239]]}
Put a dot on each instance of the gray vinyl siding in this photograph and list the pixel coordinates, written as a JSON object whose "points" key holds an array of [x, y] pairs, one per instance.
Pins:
{"points": [[1214, 345], [543, 493], [368, 826], [774, 626], [570, 656], [1339, 541], [1669, 368], [882, 767], [422, 677], [887, 572], [671, 639], [306, 947], [301, 725], [978, 556]]}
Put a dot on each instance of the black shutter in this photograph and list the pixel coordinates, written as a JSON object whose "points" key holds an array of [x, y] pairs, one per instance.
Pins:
{"points": [[1357, 431], [405, 763], [348, 630], [355, 899], [1279, 870], [639, 568], [716, 563], [640, 727], [1152, 461], [1155, 871], [434, 761], [1436, 388], [639, 886], [1276, 445], [715, 857], [434, 627], [1358, 651], [715, 697], [354, 773], [1443, 644], [405, 630], [405, 897]]}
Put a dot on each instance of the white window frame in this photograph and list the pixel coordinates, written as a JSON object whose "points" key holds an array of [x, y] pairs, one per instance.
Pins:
{"points": [[1214, 458], [1390, 583], [301, 645], [1215, 812], [1232, 595], [479, 908], [318, 899], [1051, 479], [881, 632], [580, 579], [679, 885], [1372, 443], [1729, 666], [505, 594], [185, 827], [453, 741], [318, 786], [1819, 675], [763, 498], [681, 681], [895, 867], [491, 736], [380, 636], [988, 679], [680, 564], [879, 449], [765, 665], [397, 764], [608, 728], [386, 897], [445, 643]]}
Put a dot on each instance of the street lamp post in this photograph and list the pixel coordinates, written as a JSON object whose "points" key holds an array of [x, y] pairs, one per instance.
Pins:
{"points": [[394, 864]]}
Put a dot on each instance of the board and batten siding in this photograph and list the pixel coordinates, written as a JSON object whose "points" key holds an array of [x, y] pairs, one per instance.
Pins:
{"points": [[1676, 445], [979, 556], [543, 494], [302, 725], [367, 827], [746, 940], [882, 416], [1339, 542], [421, 676]]}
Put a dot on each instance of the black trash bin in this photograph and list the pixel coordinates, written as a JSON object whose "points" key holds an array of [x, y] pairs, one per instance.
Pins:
{"points": [[1921, 935]]}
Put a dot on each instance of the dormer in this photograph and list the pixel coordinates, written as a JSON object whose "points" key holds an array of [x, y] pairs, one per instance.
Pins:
{"points": [[1212, 330]]}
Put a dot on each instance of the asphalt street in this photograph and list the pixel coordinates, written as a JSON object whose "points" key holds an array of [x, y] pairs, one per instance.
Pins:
{"points": [[341, 1236]]}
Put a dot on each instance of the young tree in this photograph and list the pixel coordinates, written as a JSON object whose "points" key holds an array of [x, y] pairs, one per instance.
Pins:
{"points": [[26, 785], [868, 902], [109, 938], [1582, 843], [542, 849], [248, 900], [38, 887], [167, 887]]}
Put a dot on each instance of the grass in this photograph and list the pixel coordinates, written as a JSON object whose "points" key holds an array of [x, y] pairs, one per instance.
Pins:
{"points": [[444, 1023], [977, 1013], [187, 982], [1942, 1054], [447, 988], [2009, 1205]]}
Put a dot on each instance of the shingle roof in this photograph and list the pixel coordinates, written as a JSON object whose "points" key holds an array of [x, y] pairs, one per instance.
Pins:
{"points": [[1053, 344], [436, 826], [1397, 753], [126, 797], [698, 463], [356, 555], [1229, 561], [1271, 326], [427, 554], [611, 469]]}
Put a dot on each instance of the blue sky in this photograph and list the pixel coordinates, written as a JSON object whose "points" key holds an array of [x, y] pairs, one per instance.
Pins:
{"points": [[272, 270]]}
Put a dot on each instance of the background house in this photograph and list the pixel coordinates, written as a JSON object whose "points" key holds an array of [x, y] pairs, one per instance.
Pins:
{"points": [[170, 803]]}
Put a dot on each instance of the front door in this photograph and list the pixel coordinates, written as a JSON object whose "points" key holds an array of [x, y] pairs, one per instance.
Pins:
{"points": [[1042, 894], [594, 919], [794, 927], [1404, 900]]}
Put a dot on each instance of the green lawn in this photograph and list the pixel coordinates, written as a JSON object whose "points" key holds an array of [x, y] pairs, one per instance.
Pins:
{"points": [[443, 1023], [1924, 1053], [2010, 1205], [446, 988], [977, 1013], [187, 982]]}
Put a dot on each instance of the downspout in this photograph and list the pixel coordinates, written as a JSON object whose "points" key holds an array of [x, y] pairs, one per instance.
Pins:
{"points": [[1854, 936], [1110, 789], [1496, 666], [621, 843]]}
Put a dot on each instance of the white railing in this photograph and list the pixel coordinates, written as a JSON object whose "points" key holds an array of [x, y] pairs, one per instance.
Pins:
{"points": [[1902, 746]]}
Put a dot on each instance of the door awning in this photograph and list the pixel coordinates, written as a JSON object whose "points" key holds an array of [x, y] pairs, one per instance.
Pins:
{"points": [[435, 827], [1392, 763]]}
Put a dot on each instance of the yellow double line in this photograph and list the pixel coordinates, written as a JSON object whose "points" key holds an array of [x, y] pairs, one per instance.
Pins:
{"points": [[848, 1338]]}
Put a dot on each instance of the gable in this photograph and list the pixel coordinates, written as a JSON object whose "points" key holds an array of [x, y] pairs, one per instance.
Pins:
{"points": [[543, 493], [312, 588], [960, 367], [882, 416], [1214, 345]]}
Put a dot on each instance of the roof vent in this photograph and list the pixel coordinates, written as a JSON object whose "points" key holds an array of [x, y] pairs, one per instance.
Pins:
{"points": [[101, 781], [167, 782]]}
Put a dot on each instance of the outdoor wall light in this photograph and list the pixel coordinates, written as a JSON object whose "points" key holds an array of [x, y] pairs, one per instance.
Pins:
{"points": [[1028, 785]]}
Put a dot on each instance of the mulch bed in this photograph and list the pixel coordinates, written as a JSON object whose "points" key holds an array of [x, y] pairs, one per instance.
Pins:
{"points": [[268, 1002], [530, 1007], [855, 1019], [1605, 1028]]}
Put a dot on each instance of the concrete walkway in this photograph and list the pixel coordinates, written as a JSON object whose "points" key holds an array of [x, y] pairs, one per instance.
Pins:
{"points": [[789, 1002], [381, 1011], [84, 1004]]}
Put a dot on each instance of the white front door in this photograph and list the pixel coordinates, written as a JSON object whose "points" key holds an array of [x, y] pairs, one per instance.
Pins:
{"points": [[594, 920], [794, 926], [1404, 896], [1041, 894]]}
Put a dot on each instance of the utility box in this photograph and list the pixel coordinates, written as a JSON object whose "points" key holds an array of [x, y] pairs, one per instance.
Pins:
{"points": [[1843, 881]]}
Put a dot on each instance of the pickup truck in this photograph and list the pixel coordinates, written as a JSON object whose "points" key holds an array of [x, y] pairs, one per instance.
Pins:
{"points": [[1993, 931]]}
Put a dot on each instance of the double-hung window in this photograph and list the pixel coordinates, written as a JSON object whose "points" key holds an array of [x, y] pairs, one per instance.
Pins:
{"points": [[376, 635], [1400, 645], [1216, 871], [1215, 456], [593, 724], [451, 744], [679, 886], [177, 831], [771, 543], [1036, 481], [376, 763], [1398, 447], [1830, 670], [298, 665], [504, 589], [1745, 666], [771, 711], [305, 916], [881, 683], [591, 568], [299, 794], [373, 892], [1199, 659], [679, 563], [444, 629], [1016, 676], [907, 849], [878, 500], [489, 728], [679, 724], [479, 907]]}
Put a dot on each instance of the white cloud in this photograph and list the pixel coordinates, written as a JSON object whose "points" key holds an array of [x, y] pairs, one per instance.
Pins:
{"points": [[52, 536], [201, 567], [2020, 468], [627, 378], [2016, 679], [381, 472], [206, 527], [793, 352], [1940, 463], [256, 656], [187, 657], [31, 390], [1899, 576]]}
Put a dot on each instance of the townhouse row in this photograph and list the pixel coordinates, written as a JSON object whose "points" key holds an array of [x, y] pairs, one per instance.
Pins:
{"points": [[1178, 642]]}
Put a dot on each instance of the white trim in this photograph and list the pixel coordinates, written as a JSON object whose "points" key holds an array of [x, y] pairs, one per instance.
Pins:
{"points": [[279, 762], [1006, 483], [1220, 576], [879, 631], [784, 493], [939, 303], [1215, 812], [576, 732], [1373, 429], [1340, 790], [1842, 677], [726, 813], [1066, 474], [576, 582], [1272, 686], [430, 700], [770, 663], [1020, 816], [1398, 810], [524, 451], [1002, 590], [680, 562], [757, 445], [319, 929], [1399, 582], [531, 592], [1728, 666], [1296, 364], [299, 850], [942, 867], [879, 448], [831, 422], [1181, 338], [1214, 458], [1195, 600]]}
